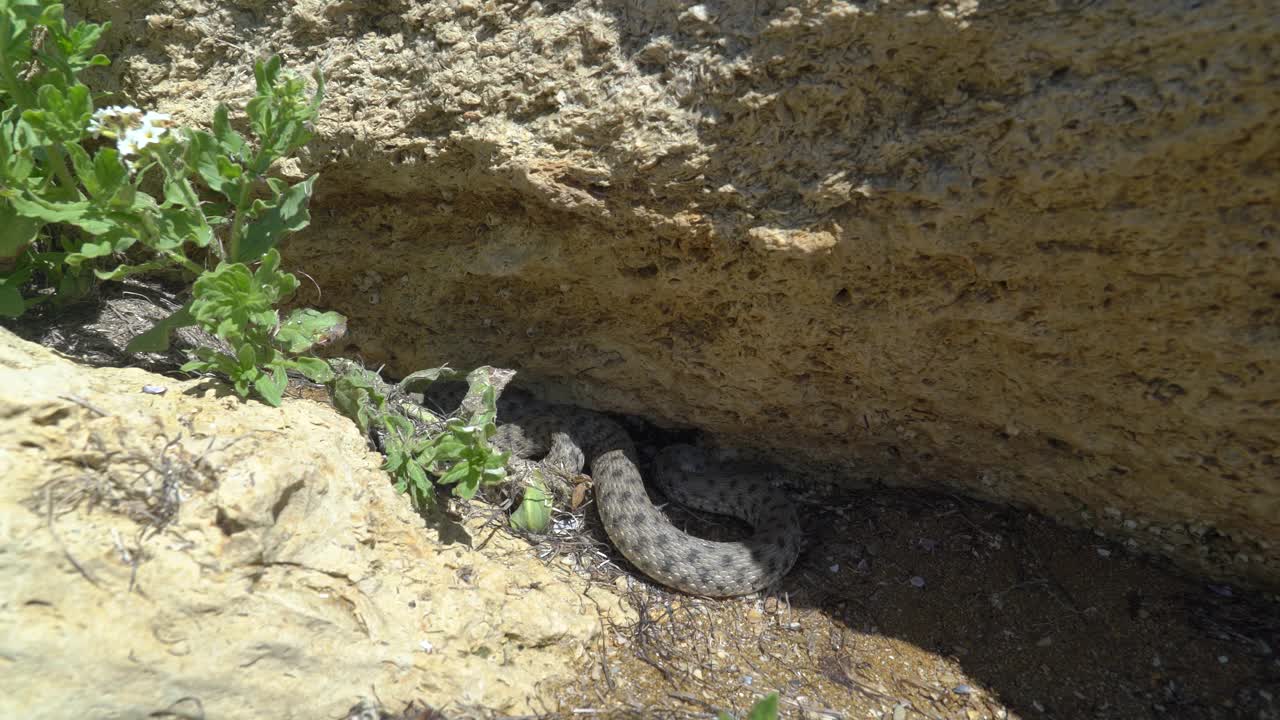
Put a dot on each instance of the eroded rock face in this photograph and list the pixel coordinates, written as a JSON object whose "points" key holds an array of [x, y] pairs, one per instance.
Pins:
{"points": [[1024, 253], [290, 580]]}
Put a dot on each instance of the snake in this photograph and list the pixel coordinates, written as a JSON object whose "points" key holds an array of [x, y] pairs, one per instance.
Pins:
{"points": [[569, 438]]}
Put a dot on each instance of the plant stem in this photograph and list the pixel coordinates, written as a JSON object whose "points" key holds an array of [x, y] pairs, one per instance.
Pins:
{"points": [[238, 223], [59, 161], [185, 262]]}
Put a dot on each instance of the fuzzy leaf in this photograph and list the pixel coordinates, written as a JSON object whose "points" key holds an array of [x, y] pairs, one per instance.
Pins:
{"points": [[534, 513], [16, 230], [290, 214], [157, 338], [306, 327]]}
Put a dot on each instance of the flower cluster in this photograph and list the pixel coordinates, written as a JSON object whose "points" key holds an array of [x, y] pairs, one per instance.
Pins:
{"points": [[132, 129]]}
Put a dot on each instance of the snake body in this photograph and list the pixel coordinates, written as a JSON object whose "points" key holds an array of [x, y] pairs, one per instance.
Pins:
{"points": [[569, 438]]}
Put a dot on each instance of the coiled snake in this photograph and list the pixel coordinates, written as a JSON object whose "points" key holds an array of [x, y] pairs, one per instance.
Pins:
{"points": [[569, 437]]}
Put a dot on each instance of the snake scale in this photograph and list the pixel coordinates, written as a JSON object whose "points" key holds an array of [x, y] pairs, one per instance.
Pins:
{"points": [[570, 438]]}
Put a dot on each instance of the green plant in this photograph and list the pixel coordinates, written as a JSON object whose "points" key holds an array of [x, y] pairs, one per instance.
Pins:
{"points": [[457, 454], [74, 209], [765, 709], [424, 450], [534, 513]]}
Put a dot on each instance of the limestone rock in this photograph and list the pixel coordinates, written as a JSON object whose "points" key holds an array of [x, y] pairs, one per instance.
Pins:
{"points": [[189, 550]]}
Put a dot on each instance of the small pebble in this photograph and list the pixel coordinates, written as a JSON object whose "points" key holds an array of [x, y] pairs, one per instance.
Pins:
{"points": [[835, 568], [1103, 552], [699, 13], [963, 689], [917, 581], [154, 389]]}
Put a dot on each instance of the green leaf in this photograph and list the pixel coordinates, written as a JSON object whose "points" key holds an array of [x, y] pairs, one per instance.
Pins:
{"points": [[89, 217], [456, 473], [83, 165], [51, 17], [534, 513], [60, 117], [269, 276], [765, 709], [247, 356], [449, 447], [16, 230], [357, 394], [90, 249], [467, 488], [208, 155], [265, 74], [231, 141], [306, 327], [111, 175], [11, 303], [157, 338], [289, 215], [271, 386], [121, 272], [418, 476], [421, 380], [233, 303], [16, 163], [399, 427], [179, 225], [74, 284], [116, 240], [426, 456], [49, 211], [314, 368]]}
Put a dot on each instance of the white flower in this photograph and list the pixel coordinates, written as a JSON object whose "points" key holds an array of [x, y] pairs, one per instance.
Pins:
{"points": [[141, 137], [157, 119], [114, 119], [132, 129], [127, 145]]}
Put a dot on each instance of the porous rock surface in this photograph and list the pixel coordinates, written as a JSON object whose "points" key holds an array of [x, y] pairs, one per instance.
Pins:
{"points": [[292, 582], [1026, 251]]}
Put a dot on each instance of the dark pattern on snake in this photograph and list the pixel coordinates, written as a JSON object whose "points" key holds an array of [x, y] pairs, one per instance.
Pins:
{"points": [[569, 437]]}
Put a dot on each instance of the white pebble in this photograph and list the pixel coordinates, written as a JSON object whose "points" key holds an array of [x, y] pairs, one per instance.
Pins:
{"points": [[699, 13]]}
